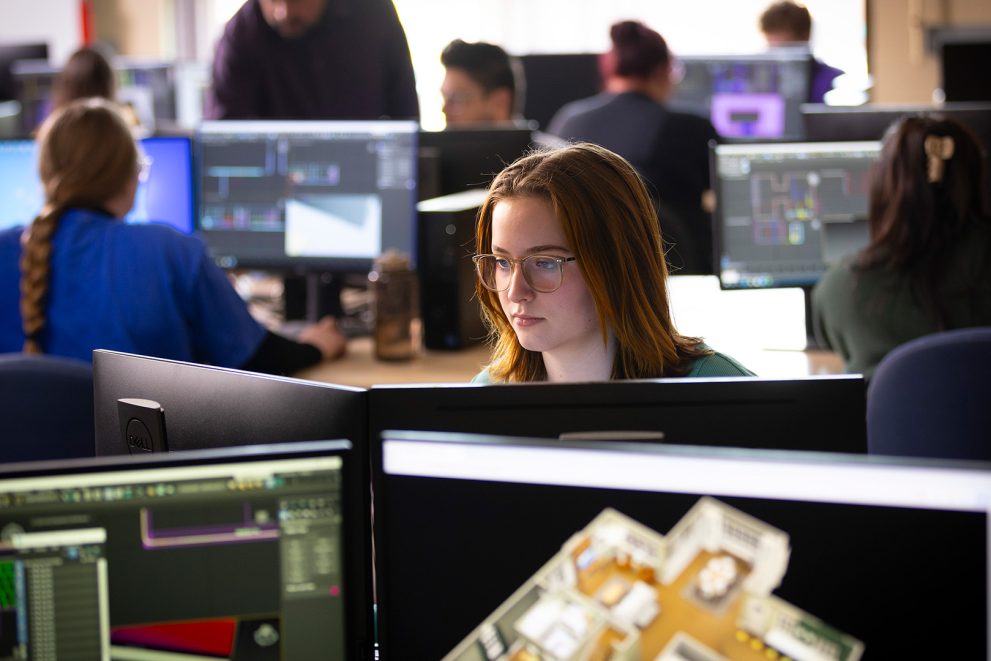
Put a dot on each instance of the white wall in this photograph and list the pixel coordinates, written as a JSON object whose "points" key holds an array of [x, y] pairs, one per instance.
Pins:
{"points": [[57, 22]]}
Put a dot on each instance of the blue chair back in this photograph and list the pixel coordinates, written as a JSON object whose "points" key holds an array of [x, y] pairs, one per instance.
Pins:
{"points": [[46, 408], [931, 397]]}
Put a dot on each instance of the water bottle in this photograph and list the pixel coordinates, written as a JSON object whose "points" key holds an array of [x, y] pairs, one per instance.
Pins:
{"points": [[396, 304]]}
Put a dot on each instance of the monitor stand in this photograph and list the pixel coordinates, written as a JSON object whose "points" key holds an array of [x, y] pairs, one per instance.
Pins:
{"points": [[312, 296]]}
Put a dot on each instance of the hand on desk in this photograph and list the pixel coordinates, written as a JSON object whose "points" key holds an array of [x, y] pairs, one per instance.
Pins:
{"points": [[325, 337]]}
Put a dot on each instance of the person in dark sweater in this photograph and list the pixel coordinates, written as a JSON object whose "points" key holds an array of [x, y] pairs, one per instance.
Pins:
{"points": [[313, 59], [78, 278], [669, 149], [927, 267]]}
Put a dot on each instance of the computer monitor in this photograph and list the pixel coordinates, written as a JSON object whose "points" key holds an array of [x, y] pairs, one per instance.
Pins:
{"points": [[853, 123], [178, 406], [462, 158], [555, 79], [786, 211], [307, 195], [244, 553], [747, 97], [824, 413], [20, 187], [211, 407], [845, 123], [961, 63], [654, 552], [147, 86], [164, 196], [10, 53]]}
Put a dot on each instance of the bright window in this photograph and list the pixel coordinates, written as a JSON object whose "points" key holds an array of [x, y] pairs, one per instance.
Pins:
{"points": [[548, 26]]}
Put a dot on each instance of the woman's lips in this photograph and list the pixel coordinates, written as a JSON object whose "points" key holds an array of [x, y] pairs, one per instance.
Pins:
{"points": [[524, 320]]}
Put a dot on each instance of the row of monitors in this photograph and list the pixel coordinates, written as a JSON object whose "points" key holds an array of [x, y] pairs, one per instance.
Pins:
{"points": [[751, 96], [786, 212], [747, 96], [486, 547], [334, 195], [289, 195], [272, 195], [161, 93]]}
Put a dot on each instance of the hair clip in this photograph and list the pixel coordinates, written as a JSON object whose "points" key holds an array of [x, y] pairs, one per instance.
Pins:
{"points": [[938, 149]]}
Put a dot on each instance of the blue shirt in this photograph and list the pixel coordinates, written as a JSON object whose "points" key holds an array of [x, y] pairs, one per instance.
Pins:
{"points": [[142, 289]]}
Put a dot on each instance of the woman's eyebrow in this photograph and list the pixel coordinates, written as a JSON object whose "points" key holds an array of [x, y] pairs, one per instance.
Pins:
{"points": [[534, 250]]}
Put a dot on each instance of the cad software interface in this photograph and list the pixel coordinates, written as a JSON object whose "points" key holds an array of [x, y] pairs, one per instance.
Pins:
{"points": [[544, 554], [199, 560], [747, 97], [786, 212], [279, 193]]}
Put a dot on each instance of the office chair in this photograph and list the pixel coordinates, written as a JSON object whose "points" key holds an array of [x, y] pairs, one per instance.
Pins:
{"points": [[46, 408], [931, 397]]}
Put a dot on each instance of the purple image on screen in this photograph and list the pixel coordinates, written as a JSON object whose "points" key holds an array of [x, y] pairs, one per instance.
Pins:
{"points": [[748, 115]]}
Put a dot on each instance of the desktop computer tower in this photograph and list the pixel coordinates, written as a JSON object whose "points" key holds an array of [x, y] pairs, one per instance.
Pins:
{"points": [[445, 244]]}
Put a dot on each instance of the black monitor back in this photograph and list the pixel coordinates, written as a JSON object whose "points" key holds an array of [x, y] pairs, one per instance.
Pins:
{"points": [[10, 53], [838, 123], [458, 159], [844, 123], [212, 407], [554, 79], [815, 413], [964, 70]]}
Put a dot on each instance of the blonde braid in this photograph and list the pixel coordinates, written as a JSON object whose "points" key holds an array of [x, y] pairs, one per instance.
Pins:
{"points": [[86, 156], [36, 254]]}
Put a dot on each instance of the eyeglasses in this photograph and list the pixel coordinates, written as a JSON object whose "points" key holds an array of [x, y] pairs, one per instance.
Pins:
{"points": [[460, 99], [543, 273]]}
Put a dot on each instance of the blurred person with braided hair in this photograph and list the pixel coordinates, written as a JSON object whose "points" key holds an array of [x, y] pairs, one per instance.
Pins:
{"points": [[78, 278]]}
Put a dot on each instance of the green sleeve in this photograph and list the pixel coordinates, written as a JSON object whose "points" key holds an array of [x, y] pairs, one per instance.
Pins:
{"points": [[718, 364], [482, 377]]}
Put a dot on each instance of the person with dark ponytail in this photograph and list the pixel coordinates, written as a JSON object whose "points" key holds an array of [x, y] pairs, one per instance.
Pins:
{"points": [[669, 149], [78, 278], [927, 267]]}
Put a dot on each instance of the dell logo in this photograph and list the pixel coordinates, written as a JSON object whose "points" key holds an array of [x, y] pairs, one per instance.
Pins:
{"points": [[138, 437]]}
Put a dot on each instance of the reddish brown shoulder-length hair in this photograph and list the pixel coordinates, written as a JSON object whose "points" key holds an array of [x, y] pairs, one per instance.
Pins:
{"points": [[611, 226]]}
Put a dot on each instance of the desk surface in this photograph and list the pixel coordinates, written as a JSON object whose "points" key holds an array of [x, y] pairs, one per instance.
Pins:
{"points": [[360, 368]]}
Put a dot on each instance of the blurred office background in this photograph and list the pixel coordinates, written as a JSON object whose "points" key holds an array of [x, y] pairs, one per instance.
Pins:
{"points": [[890, 48]]}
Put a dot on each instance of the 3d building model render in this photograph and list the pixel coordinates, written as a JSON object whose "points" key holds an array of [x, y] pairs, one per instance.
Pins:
{"points": [[619, 590]]}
